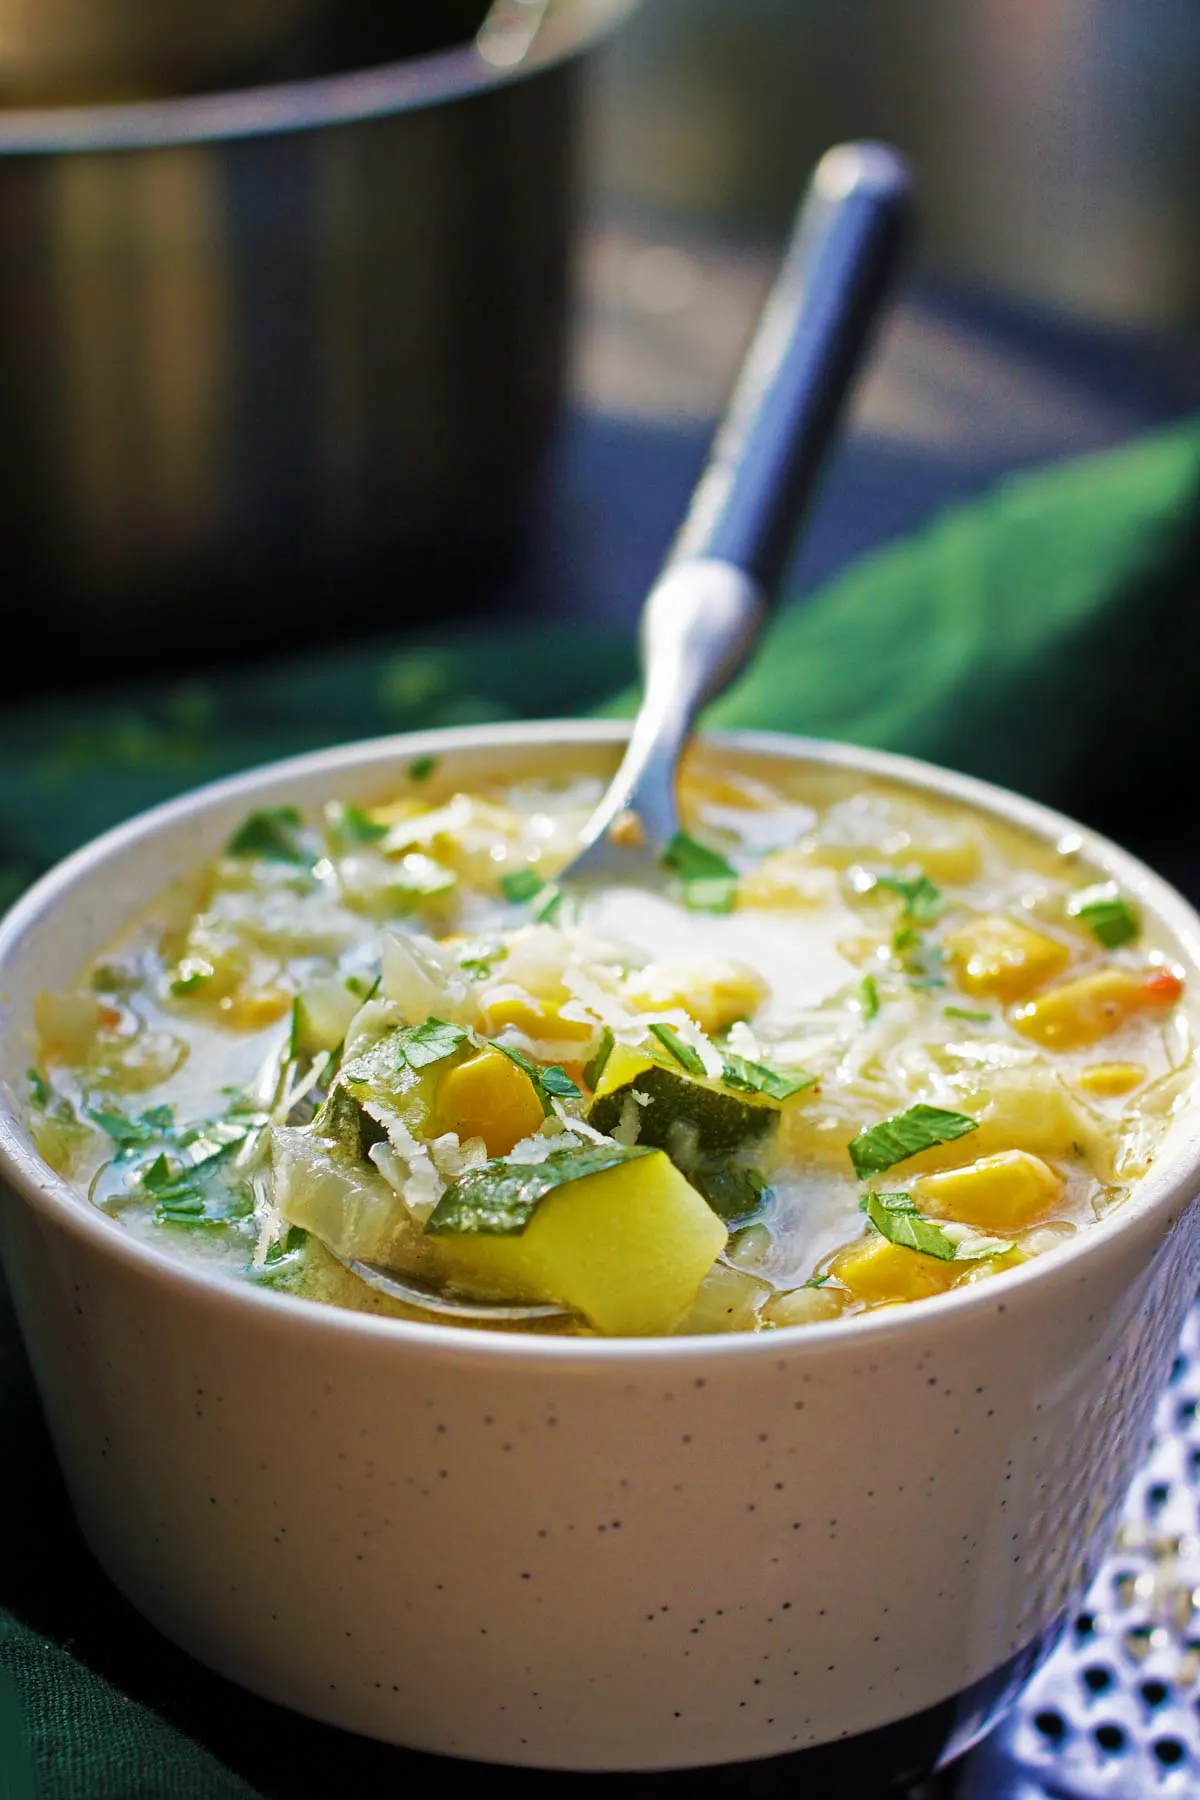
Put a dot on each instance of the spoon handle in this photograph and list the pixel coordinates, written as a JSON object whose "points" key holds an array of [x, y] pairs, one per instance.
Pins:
{"points": [[701, 619], [810, 338]]}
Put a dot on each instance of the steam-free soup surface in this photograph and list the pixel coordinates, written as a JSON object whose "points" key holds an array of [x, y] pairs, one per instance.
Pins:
{"points": [[854, 1050]]}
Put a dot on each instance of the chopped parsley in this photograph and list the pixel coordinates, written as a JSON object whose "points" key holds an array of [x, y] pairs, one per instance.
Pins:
{"points": [[499, 1199], [479, 956], [130, 1134], [1110, 919], [521, 885], [196, 1197], [550, 1082], [709, 880], [968, 1013], [39, 1088], [816, 1281], [761, 1078], [868, 998], [273, 835], [351, 825], [895, 1140], [421, 1045], [923, 902], [901, 1221], [687, 1058], [596, 1067], [422, 767]]}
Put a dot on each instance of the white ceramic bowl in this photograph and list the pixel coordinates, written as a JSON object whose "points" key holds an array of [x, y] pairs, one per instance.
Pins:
{"points": [[587, 1554]]}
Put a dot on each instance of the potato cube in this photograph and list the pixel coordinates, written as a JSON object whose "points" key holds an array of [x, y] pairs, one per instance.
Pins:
{"points": [[627, 1249], [1001, 959], [996, 1194]]}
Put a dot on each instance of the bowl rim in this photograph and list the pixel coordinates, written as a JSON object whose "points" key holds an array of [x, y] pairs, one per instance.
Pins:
{"points": [[1173, 1177], [272, 109]]}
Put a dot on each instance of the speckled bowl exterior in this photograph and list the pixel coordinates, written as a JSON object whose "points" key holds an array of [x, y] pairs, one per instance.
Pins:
{"points": [[586, 1554]]}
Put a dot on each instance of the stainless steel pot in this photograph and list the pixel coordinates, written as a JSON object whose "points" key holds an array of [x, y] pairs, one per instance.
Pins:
{"points": [[263, 355]]}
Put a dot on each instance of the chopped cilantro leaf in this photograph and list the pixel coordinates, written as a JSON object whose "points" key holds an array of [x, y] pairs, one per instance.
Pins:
{"points": [[549, 1083], [968, 1013], [422, 767], [761, 1078], [553, 906], [499, 1199], [687, 1058], [521, 884], [133, 1133], [1110, 919], [272, 835], [195, 1197], [596, 1067], [923, 902], [709, 879], [351, 825], [900, 1220], [555, 1081], [868, 998], [895, 1140], [421, 1045]]}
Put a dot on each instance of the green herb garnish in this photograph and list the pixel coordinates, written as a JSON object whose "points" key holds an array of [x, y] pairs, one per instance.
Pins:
{"points": [[709, 880], [901, 1221], [895, 1140], [351, 825], [195, 1197], [968, 1013], [133, 1133], [1110, 919], [553, 906], [868, 998], [272, 836], [521, 884], [687, 1058], [432, 1042], [499, 1199], [923, 902], [596, 1067], [39, 1088], [550, 1082], [816, 1281], [479, 956], [422, 767], [761, 1078]]}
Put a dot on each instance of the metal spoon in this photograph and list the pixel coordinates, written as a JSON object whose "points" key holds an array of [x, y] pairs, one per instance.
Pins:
{"points": [[702, 617]]}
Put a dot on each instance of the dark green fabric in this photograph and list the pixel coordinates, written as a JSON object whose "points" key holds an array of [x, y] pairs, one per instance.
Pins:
{"points": [[1046, 637]]}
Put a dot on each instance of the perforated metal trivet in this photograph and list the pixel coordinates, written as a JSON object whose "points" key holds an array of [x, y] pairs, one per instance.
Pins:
{"points": [[1115, 1713]]}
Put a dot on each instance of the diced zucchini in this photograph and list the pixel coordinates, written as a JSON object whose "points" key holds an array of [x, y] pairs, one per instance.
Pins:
{"points": [[722, 1121], [627, 1249], [321, 1013]]}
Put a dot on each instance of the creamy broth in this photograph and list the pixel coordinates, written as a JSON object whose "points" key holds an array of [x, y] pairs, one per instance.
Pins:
{"points": [[857, 1049]]}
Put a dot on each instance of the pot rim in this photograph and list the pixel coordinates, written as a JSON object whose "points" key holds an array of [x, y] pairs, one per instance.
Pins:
{"points": [[276, 108], [1173, 1179]]}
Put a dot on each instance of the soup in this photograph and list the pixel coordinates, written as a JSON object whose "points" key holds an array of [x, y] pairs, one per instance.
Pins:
{"points": [[856, 1049]]}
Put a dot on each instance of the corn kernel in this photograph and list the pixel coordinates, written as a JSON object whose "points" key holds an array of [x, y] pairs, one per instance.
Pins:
{"points": [[1003, 959], [787, 880], [714, 992], [250, 1012], [1083, 1011], [874, 1269], [536, 1018], [1108, 1081], [997, 1193], [489, 1097]]}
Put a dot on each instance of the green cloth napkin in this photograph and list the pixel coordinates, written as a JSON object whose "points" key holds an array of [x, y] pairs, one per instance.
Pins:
{"points": [[1047, 637]]}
